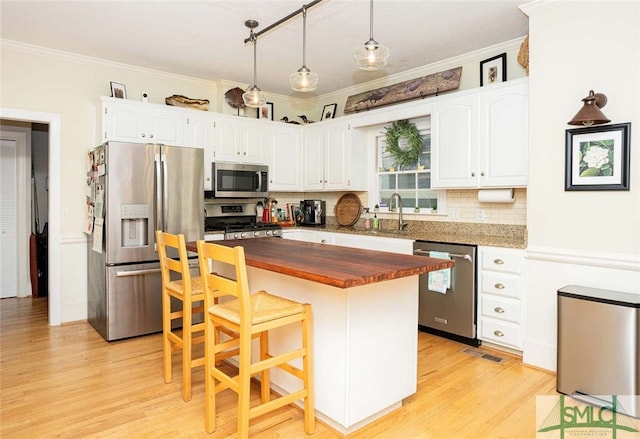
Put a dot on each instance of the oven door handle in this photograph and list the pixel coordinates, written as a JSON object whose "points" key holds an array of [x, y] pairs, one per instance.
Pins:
{"points": [[419, 252]]}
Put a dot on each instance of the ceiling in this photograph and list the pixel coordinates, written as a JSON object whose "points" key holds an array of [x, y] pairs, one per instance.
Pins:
{"points": [[205, 39]]}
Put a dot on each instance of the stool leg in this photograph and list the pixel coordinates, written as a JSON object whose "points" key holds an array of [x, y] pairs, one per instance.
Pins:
{"points": [[211, 336], [166, 328], [244, 391], [265, 376], [186, 351], [307, 364]]}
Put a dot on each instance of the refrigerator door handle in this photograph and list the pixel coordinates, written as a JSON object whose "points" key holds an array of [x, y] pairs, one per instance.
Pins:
{"points": [[136, 272], [165, 193], [158, 197]]}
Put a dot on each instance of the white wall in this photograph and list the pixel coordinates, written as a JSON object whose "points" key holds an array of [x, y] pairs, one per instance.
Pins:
{"points": [[585, 238]]}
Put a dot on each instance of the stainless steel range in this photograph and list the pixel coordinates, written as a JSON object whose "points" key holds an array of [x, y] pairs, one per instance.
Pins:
{"points": [[237, 218]]}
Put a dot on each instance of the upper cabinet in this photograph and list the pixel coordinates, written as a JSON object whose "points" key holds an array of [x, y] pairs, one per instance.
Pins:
{"points": [[285, 158], [480, 139], [240, 140], [131, 121], [327, 157]]}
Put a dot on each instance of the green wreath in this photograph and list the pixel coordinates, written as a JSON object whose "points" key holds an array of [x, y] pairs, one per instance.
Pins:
{"points": [[408, 130]]}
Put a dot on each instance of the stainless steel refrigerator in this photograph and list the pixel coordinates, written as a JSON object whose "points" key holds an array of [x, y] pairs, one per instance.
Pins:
{"points": [[136, 189]]}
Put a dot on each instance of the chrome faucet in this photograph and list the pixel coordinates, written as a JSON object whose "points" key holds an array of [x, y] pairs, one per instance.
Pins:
{"points": [[401, 224]]}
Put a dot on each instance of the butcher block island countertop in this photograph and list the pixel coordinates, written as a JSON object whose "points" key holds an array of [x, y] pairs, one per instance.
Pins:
{"points": [[365, 322], [342, 267]]}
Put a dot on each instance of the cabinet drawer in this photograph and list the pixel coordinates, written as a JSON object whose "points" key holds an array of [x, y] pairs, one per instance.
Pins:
{"points": [[501, 284], [501, 260], [501, 309], [503, 333]]}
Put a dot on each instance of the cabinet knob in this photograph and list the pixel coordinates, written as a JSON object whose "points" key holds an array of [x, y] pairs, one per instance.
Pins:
{"points": [[143, 134], [498, 333], [208, 179], [244, 153], [482, 174], [325, 181], [499, 286], [498, 310], [473, 174], [324, 241], [151, 135], [238, 153], [498, 261]]}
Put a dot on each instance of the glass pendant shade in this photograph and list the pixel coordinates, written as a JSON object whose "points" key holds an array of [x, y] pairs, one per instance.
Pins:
{"points": [[304, 79], [373, 55], [253, 97]]}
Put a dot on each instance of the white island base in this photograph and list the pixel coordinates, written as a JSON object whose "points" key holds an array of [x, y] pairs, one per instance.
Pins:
{"points": [[364, 345]]}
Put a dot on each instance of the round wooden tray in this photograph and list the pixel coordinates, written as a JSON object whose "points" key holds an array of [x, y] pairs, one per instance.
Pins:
{"points": [[347, 209]]}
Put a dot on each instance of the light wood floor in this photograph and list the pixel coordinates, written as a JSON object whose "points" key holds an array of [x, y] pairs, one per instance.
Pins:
{"points": [[67, 382]]}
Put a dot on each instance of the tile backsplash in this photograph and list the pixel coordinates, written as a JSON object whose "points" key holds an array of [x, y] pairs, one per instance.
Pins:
{"points": [[462, 206]]}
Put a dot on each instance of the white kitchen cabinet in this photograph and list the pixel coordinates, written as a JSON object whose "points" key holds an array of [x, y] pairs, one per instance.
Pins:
{"points": [[327, 156], [285, 158], [240, 140], [131, 121], [501, 298], [200, 135], [480, 139]]}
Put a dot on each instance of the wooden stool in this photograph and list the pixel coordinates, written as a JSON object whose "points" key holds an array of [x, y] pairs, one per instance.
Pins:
{"points": [[230, 327], [187, 290]]}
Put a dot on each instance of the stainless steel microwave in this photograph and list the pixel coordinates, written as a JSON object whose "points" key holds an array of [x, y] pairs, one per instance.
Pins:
{"points": [[236, 180]]}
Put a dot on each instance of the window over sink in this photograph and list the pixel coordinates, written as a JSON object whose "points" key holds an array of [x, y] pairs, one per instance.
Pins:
{"points": [[412, 181]]}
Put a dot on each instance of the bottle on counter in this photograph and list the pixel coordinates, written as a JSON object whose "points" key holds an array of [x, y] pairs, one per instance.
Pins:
{"points": [[367, 220], [375, 222]]}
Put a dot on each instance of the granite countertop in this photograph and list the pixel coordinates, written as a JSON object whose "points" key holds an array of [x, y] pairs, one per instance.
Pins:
{"points": [[492, 235]]}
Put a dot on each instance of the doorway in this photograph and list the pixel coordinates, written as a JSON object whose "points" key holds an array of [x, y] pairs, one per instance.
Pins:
{"points": [[52, 120]]}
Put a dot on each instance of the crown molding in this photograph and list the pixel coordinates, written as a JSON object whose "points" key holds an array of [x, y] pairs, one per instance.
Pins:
{"points": [[539, 6], [74, 57]]}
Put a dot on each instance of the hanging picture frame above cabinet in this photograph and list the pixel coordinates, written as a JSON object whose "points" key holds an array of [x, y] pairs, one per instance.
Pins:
{"points": [[266, 111], [493, 70]]}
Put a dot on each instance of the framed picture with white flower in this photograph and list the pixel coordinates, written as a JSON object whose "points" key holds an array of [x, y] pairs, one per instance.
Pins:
{"points": [[597, 158]]}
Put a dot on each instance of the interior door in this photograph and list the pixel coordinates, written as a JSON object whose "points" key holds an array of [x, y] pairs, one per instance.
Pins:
{"points": [[8, 219]]}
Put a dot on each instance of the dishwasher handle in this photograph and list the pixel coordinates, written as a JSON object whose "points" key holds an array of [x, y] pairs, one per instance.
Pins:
{"points": [[419, 252]]}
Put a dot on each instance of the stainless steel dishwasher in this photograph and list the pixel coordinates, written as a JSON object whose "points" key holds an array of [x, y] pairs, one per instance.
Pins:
{"points": [[450, 312]]}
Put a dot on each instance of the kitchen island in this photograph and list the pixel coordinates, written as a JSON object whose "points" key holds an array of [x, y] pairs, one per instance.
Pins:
{"points": [[365, 321]]}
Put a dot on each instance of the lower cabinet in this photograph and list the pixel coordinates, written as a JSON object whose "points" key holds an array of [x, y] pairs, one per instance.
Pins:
{"points": [[379, 243], [501, 283]]}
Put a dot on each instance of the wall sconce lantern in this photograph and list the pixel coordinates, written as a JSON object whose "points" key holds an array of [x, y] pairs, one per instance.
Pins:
{"points": [[590, 113]]}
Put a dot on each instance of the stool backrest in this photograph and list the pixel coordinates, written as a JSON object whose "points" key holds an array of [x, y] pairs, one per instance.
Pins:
{"points": [[173, 268], [224, 273]]}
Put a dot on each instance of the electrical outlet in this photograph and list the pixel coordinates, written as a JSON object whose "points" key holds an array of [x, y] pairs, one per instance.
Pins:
{"points": [[454, 213], [480, 215]]}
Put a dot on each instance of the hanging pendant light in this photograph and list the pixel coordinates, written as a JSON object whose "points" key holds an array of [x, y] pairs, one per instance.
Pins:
{"points": [[253, 97], [371, 56], [304, 79]]}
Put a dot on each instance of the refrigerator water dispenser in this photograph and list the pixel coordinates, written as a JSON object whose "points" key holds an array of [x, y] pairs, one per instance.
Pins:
{"points": [[135, 225]]}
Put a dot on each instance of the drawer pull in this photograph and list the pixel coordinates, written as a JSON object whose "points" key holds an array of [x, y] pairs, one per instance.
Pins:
{"points": [[498, 333], [498, 310], [498, 261], [499, 286]]}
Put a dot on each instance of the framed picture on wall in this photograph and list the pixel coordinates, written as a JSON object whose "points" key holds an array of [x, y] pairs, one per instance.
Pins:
{"points": [[266, 111], [118, 90], [329, 111], [597, 158], [493, 70]]}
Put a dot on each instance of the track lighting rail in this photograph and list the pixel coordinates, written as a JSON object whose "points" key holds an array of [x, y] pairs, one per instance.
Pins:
{"points": [[282, 20]]}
